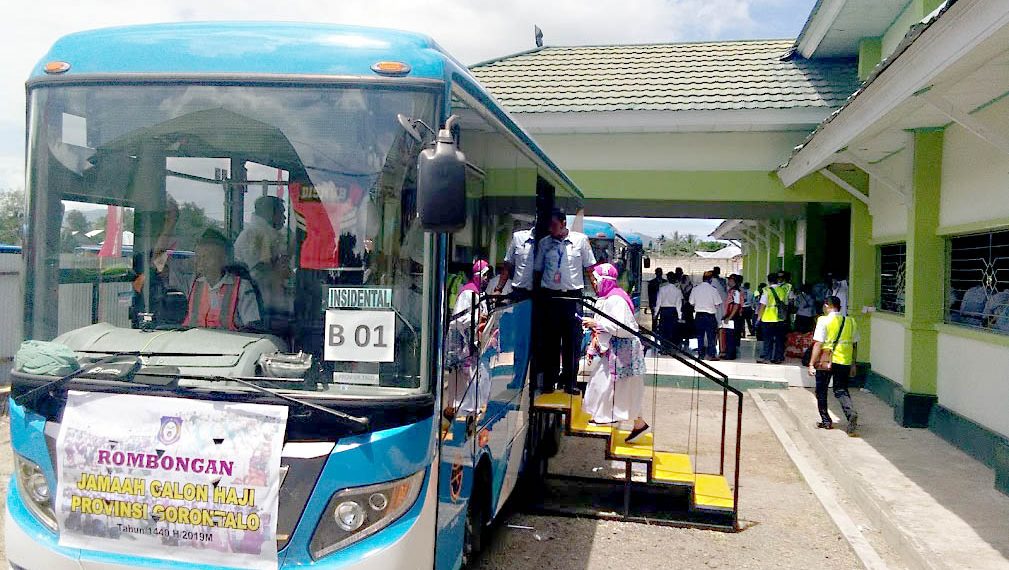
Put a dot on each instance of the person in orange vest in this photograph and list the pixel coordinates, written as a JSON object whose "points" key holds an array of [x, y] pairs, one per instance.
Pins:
{"points": [[220, 296]]}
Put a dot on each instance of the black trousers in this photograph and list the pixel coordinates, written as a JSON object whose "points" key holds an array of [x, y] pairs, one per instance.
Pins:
{"points": [[774, 341], [839, 374], [732, 337], [748, 317], [707, 328], [562, 340], [668, 323]]}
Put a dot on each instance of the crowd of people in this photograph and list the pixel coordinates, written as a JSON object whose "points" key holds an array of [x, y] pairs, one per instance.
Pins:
{"points": [[720, 311]]}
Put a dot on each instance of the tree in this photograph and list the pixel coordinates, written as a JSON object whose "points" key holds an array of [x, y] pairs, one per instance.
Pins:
{"points": [[12, 205], [75, 221]]}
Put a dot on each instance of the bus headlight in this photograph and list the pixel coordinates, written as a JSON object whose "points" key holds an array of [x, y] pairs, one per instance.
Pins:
{"points": [[33, 488], [359, 512]]}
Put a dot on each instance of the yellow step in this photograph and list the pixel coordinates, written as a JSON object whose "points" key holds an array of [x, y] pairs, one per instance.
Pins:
{"points": [[557, 401], [672, 468], [580, 425], [712, 492], [640, 449]]}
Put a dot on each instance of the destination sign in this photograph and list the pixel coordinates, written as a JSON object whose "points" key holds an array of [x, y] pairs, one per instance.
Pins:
{"points": [[360, 298]]}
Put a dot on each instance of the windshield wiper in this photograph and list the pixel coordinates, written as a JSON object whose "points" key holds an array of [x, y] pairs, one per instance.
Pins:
{"points": [[59, 382], [360, 422]]}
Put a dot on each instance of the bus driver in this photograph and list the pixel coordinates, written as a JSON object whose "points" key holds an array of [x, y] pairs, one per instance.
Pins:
{"points": [[231, 302]]}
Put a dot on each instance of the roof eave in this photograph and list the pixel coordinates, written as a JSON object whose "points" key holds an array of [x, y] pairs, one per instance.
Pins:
{"points": [[820, 20], [928, 50]]}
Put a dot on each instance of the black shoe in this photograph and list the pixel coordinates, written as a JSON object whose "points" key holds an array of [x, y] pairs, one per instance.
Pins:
{"points": [[852, 428], [763, 361], [636, 432], [572, 391], [824, 425]]}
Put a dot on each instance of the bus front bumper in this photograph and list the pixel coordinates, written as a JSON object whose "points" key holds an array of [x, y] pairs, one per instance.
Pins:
{"points": [[409, 545]]}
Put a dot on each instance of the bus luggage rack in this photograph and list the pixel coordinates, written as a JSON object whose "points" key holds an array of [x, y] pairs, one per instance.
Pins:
{"points": [[674, 491]]}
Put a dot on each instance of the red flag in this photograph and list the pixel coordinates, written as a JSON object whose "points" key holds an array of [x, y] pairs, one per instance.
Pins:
{"points": [[113, 244]]}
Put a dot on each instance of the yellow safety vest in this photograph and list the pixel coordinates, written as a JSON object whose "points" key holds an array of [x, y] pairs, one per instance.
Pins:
{"points": [[844, 351], [771, 314]]}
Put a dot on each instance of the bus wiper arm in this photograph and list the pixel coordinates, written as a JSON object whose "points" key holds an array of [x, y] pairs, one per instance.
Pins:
{"points": [[361, 423], [59, 382]]}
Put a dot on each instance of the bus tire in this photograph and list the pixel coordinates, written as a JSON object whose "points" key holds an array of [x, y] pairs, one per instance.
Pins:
{"points": [[475, 531]]}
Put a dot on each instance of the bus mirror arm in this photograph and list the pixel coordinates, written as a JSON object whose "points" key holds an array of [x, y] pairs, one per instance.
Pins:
{"points": [[441, 183]]}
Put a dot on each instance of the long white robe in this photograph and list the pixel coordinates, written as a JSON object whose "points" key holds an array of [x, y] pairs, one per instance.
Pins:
{"points": [[461, 390], [606, 398]]}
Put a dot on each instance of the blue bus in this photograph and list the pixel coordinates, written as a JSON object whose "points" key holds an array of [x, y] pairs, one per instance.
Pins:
{"points": [[328, 179], [625, 250]]}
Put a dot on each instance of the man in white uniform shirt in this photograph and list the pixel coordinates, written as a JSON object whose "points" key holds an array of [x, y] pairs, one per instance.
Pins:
{"points": [[668, 306], [706, 302], [561, 260], [262, 248], [518, 270]]}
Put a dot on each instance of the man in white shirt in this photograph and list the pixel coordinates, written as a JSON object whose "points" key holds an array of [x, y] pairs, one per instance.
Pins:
{"points": [[706, 302], [839, 289], [561, 260], [262, 248], [668, 306], [517, 274]]}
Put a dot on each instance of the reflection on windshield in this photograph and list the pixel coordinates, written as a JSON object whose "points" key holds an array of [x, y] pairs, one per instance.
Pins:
{"points": [[240, 209]]}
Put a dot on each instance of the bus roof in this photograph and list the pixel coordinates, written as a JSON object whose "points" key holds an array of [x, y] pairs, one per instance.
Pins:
{"points": [[632, 238], [598, 229], [271, 49], [274, 48]]}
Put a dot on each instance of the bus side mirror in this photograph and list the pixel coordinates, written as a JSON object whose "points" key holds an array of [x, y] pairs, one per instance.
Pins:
{"points": [[648, 263], [441, 185]]}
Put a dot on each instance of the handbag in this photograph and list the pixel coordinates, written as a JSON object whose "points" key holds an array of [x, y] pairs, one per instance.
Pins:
{"points": [[826, 356]]}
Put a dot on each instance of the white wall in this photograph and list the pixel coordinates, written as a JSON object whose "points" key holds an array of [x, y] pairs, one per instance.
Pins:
{"points": [[11, 291], [671, 151], [887, 352], [973, 380], [975, 174], [896, 32], [889, 214]]}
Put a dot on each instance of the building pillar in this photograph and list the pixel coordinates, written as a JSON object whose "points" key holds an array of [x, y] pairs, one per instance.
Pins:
{"points": [[773, 245], [862, 274], [791, 262], [815, 241], [924, 294]]}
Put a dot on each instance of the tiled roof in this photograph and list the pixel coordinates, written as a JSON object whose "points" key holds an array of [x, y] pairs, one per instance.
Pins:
{"points": [[667, 77]]}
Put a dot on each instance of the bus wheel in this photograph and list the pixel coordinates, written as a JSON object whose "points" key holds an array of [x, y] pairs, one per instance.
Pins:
{"points": [[476, 525]]}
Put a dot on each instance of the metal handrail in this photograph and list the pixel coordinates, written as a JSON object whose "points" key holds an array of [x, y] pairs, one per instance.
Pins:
{"points": [[707, 371]]}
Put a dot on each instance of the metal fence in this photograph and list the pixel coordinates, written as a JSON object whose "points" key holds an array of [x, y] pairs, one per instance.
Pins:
{"points": [[84, 298]]}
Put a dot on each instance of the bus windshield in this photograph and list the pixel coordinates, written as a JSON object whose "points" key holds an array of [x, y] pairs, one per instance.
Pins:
{"points": [[196, 219]]}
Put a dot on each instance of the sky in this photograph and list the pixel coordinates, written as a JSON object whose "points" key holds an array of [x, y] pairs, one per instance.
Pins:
{"points": [[472, 30]]}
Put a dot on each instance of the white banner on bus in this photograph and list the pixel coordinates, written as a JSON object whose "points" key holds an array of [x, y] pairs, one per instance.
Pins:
{"points": [[170, 478]]}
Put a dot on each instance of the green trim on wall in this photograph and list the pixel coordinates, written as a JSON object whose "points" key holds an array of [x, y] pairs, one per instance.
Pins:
{"points": [[924, 301], [974, 227], [888, 240], [687, 382], [870, 53], [973, 334], [510, 182], [888, 316], [862, 273], [705, 185]]}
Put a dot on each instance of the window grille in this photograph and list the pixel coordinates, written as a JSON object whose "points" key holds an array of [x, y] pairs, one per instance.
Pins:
{"points": [[892, 261], [979, 281]]}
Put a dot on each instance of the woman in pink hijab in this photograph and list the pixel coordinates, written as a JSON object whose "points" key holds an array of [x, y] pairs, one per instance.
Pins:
{"points": [[616, 388], [468, 316]]}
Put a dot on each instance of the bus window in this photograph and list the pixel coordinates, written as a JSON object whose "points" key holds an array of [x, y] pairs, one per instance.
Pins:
{"points": [[188, 164]]}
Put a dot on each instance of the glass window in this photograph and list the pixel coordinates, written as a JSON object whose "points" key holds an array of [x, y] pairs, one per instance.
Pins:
{"points": [[892, 260], [979, 281], [251, 209]]}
